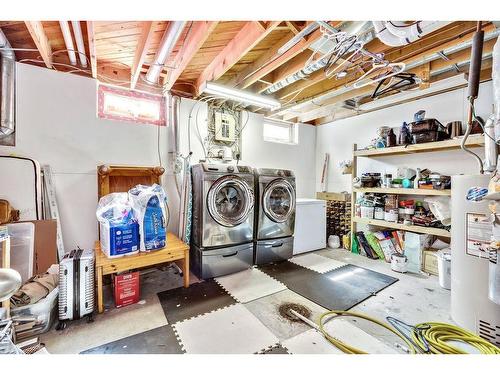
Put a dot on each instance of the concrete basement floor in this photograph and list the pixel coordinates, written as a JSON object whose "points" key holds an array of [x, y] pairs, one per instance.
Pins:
{"points": [[413, 299]]}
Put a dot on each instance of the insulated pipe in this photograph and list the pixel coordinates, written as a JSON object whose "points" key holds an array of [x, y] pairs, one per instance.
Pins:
{"points": [[77, 31], [68, 41], [396, 33], [7, 88], [167, 44]]}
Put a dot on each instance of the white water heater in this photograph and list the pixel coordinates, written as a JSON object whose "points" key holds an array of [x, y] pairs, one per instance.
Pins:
{"points": [[471, 232]]}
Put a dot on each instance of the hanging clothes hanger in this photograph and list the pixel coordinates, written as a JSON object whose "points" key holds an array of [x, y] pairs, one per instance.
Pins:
{"points": [[399, 82], [395, 68]]}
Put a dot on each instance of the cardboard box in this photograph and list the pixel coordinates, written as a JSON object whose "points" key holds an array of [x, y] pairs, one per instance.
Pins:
{"points": [[126, 288], [45, 245], [430, 262]]}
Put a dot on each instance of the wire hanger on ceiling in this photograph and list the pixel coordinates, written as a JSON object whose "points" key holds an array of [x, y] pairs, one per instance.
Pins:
{"points": [[399, 82], [364, 80]]}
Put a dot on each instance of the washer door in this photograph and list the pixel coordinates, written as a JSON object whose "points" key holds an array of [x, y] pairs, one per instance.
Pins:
{"points": [[230, 200], [278, 200]]}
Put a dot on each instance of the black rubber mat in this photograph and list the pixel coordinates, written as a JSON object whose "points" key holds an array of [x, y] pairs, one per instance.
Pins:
{"points": [[161, 340], [200, 298], [340, 289]]}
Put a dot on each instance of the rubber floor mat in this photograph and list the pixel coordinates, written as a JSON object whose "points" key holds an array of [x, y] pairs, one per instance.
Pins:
{"points": [[200, 298], [161, 340], [340, 289]]}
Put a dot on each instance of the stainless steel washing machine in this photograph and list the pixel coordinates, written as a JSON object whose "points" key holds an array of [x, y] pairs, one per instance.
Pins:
{"points": [[275, 217], [223, 219]]}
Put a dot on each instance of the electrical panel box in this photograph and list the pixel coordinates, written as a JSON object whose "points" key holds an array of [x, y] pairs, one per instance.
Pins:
{"points": [[225, 127]]}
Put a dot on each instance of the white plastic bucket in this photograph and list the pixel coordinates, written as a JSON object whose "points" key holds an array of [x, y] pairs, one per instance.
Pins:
{"points": [[444, 269]]}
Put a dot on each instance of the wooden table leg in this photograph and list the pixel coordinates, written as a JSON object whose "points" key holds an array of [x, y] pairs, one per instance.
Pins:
{"points": [[100, 297], [6, 264], [185, 269]]}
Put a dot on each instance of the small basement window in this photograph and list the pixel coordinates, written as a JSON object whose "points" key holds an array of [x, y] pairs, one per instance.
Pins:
{"points": [[123, 105], [281, 132]]}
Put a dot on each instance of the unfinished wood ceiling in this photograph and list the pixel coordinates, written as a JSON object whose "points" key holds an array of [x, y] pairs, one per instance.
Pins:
{"points": [[243, 54]]}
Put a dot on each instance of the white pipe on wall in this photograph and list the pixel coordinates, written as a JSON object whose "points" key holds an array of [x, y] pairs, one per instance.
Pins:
{"points": [[68, 41]]}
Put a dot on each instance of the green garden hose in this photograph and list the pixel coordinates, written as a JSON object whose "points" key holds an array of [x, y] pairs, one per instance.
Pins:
{"points": [[429, 338]]}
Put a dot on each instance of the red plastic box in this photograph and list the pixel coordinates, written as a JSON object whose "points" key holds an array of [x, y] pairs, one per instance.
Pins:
{"points": [[126, 289]]}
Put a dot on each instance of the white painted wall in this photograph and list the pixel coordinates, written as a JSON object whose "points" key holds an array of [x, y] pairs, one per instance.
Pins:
{"points": [[255, 151], [57, 125], [337, 138]]}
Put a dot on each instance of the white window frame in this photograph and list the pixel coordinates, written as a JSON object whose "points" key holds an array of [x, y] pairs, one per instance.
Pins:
{"points": [[293, 128]]}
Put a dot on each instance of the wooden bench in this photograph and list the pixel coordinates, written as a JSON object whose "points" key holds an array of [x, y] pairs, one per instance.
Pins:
{"points": [[176, 250]]}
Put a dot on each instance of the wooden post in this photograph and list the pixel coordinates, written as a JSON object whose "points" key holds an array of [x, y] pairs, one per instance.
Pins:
{"points": [[353, 193], [6, 264], [100, 297]]}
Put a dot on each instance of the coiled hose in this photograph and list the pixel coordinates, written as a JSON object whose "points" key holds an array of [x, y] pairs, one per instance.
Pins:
{"points": [[428, 338]]}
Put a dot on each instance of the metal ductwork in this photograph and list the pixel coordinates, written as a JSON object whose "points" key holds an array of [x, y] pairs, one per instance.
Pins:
{"points": [[397, 33], [167, 45], [7, 87]]}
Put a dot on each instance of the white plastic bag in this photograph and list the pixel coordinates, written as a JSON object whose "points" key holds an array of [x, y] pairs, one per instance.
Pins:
{"points": [[149, 205], [440, 208]]}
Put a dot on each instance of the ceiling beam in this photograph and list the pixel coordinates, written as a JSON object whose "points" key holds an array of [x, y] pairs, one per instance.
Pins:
{"points": [[92, 49], [246, 39], [35, 28], [141, 51], [310, 98], [199, 33], [273, 61]]}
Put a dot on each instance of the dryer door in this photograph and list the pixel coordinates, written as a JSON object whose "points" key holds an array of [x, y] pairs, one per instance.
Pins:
{"points": [[230, 200], [278, 200]]}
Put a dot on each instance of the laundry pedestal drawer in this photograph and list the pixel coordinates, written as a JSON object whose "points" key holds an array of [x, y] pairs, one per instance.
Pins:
{"points": [[208, 263], [267, 251]]}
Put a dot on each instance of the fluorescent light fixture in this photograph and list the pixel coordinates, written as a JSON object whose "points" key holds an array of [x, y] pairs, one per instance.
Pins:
{"points": [[77, 31], [240, 95], [68, 41], [446, 84], [167, 44]]}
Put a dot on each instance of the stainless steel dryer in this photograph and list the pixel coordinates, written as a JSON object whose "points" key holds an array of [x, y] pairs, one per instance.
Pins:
{"points": [[223, 219], [275, 218]]}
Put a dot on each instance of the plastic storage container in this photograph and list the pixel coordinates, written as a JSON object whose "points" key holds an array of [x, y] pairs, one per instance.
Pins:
{"points": [[22, 237], [44, 311], [444, 269]]}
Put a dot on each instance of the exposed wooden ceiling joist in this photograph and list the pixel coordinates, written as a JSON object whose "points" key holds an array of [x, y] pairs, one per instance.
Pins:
{"points": [[92, 50], [274, 62], [35, 28], [141, 51], [247, 38], [199, 33], [310, 98]]}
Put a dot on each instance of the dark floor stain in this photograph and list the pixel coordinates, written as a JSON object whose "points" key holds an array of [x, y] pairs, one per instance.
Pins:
{"points": [[284, 310], [429, 289]]}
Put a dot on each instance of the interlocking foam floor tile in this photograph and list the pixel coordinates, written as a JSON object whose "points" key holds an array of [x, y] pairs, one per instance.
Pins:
{"points": [[313, 342], [200, 298], [317, 262], [231, 330], [249, 285], [161, 340]]}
